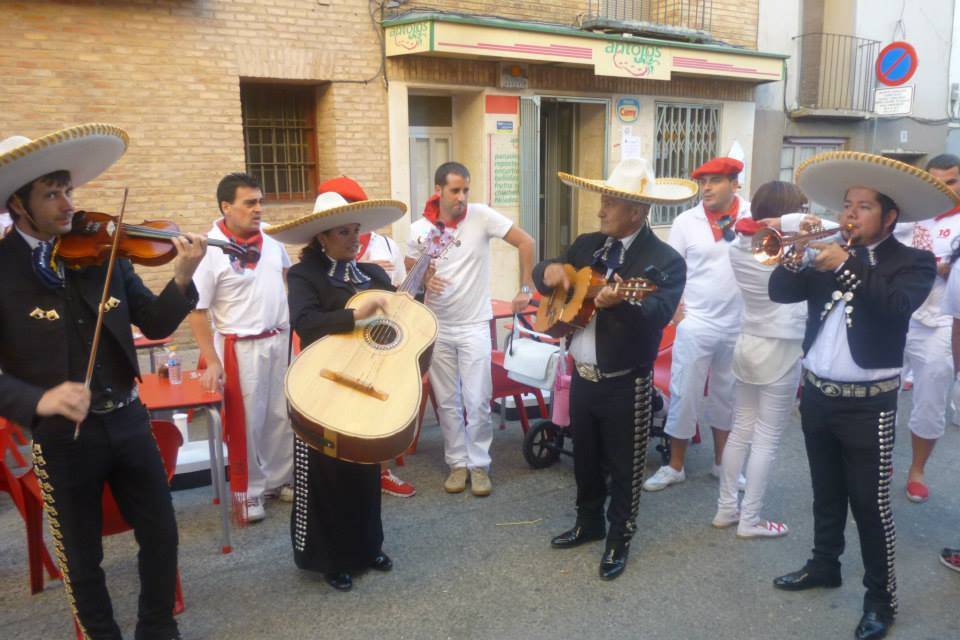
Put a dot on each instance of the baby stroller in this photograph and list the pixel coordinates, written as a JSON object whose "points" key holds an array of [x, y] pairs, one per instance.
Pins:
{"points": [[545, 442]]}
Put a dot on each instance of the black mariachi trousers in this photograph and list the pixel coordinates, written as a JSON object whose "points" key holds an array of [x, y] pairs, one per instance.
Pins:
{"points": [[611, 424], [849, 446], [117, 448]]}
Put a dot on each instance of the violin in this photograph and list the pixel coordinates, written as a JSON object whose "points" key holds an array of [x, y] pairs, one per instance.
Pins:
{"points": [[148, 243]]}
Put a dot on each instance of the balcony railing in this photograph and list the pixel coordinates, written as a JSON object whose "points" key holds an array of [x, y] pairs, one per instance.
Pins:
{"points": [[836, 73], [676, 18]]}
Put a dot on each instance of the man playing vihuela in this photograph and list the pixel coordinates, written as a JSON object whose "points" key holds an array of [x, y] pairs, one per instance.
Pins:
{"points": [[611, 392]]}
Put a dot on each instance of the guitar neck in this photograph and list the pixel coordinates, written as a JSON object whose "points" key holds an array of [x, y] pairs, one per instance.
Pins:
{"points": [[633, 284], [415, 277]]}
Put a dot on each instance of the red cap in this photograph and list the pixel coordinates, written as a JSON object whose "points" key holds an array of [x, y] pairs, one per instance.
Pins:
{"points": [[349, 189], [718, 166]]}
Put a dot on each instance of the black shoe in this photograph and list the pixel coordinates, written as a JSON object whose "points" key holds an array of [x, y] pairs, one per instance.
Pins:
{"points": [[382, 562], [805, 579], [872, 626], [576, 537], [341, 581], [614, 560]]}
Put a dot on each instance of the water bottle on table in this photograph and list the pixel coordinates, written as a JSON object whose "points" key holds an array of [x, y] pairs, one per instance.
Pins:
{"points": [[174, 370]]}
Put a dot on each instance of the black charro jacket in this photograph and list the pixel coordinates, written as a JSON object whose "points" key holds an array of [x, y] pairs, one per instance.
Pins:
{"points": [[33, 317], [628, 336], [885, 295], [317, 304]]}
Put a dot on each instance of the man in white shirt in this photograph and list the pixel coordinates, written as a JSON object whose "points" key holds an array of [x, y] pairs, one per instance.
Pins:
{"points": [[928, 341], [860, 298], [708, 320], [950, 557], [246, 302], [459, 294]]}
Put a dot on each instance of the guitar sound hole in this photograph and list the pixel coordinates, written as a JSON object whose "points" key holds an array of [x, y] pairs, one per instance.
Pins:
{"points": [[382, 334]]}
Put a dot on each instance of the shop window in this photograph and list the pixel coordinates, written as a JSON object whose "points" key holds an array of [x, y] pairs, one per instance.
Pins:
{"points": [[279, 137], [687, 135]]}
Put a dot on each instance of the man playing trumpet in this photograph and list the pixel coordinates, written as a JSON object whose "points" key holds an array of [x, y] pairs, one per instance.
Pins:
{"points": [[860, 299]]}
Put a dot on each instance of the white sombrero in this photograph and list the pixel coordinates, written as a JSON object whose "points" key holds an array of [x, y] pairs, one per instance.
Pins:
{"points": [[633, 180], [332, 210], [86, 151], [825, 178]]}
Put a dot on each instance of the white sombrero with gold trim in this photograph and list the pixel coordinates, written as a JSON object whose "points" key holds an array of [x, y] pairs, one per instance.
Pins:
{"points": [[633, 180], [826, 177], [85, 150], [332, 210]]}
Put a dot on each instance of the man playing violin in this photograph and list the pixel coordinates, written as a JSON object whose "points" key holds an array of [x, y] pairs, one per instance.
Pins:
{"points": [[612, 392], [860, 298], [48, 311], [246, 300]]}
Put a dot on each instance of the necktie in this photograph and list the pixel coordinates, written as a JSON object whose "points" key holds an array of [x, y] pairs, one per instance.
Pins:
{"points": [[45, 266], [609, 256], [347, 271]]}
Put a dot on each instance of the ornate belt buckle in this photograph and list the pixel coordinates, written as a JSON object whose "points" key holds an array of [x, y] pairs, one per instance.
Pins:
{"points": [[830, 389], [588, 372]]}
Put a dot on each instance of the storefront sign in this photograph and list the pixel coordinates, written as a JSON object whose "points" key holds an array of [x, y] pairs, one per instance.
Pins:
{"points": [[504, 175], [607, 55], [628, 110]]}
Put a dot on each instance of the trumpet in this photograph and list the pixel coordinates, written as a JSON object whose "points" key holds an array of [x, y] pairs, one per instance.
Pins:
{"points": [[770, 246]]}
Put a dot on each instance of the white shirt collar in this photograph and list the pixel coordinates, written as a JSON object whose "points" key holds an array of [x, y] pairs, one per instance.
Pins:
{"points": [[625, 241], [32, 242]]}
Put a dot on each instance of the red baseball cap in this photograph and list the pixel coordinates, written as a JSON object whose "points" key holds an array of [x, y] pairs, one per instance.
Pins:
{"points": [[718, 166], [346, 187]]}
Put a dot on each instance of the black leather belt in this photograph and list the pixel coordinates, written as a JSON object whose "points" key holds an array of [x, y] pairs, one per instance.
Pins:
{"points": [[112, 404], [592, 373], [833, 389]]}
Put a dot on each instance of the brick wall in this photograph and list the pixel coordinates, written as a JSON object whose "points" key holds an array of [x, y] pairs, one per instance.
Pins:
{"points": [[168, 71], [734, 21]]}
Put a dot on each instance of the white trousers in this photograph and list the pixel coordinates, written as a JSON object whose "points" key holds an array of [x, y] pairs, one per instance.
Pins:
{"points": [[460, 378], [263, 364], [928, 355], [699, 350], [760, 415]]}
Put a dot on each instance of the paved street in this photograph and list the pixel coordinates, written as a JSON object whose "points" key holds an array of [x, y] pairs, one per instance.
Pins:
{"points": [[483, 568]]}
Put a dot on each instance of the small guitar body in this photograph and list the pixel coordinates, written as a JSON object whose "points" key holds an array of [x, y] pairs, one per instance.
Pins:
{"points": [[566, 310], [356, 396]]}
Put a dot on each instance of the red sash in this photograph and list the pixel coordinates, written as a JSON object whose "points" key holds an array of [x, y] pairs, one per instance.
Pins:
{"points": [[364, 245], [713, 218], [235, 422], [255, 241]]}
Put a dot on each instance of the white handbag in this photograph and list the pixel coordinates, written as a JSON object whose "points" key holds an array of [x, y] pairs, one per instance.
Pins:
{"points": [[529, 361]]}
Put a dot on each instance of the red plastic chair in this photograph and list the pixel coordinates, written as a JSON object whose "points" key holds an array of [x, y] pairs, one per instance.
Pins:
{"points": [[11, 435], [25, 492], [169, 440], [504, 387], [426, 393]]}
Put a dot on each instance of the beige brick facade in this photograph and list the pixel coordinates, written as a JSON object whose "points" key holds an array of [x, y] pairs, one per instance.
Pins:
{"points": [[168, 71]]}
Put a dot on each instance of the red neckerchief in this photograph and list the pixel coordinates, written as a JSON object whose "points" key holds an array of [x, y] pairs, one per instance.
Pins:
{"points": [[947, 214], [747, 226], [431, 211], [714, 218], [255, 241], [364, 244]]}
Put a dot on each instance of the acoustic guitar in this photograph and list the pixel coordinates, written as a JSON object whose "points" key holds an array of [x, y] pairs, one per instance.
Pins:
{"points": [[566, 310], [356, 396]]}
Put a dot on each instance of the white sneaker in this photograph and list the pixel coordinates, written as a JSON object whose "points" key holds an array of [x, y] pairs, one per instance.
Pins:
{"points": [[717, 471], [762, 529], [255, 510], [724, 520], [284, 493], [663, 478]]}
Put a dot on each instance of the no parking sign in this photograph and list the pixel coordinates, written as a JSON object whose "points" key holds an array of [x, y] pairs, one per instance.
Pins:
{"points": [[896, 63]]}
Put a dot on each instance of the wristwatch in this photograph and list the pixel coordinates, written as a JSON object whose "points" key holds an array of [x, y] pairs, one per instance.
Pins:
{"points": [[526, 290]]}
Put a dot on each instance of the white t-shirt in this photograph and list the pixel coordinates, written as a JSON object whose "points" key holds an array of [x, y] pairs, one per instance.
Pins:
{"points": [[711, 296], [247, 303], [466, 266], [951, 297], [5, 223], [940, 234], [383, 248]]}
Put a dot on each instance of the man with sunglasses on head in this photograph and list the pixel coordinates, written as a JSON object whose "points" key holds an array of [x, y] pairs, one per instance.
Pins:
{"points": [[708, 319]]}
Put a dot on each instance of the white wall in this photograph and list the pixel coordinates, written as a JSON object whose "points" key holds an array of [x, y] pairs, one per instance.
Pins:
{"points": [[779, 24], [930, 27]]}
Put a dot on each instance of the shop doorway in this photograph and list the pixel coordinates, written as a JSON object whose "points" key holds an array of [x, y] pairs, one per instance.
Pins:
{"points": [[560, 134]]}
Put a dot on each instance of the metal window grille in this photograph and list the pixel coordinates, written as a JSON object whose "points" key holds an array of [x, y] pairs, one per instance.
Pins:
{"points": [[687, 136], [280, 140]]}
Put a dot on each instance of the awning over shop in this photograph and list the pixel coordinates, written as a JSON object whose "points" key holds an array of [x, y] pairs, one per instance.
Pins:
{"points": [[446, 35]]}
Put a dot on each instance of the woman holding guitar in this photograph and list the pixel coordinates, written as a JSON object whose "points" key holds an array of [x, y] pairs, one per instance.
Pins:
{"points": [[335, 523]]}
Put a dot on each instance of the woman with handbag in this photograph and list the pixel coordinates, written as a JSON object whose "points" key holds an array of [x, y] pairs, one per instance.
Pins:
{"points": [[766, 365], [335, 524]]}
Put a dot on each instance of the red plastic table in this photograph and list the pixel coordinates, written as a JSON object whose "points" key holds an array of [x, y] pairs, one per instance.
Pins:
{"points": [[143, 342], [159, 395]]}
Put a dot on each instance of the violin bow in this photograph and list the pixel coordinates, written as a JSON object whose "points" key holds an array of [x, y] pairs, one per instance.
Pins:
{"points": [[103, 302]]}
